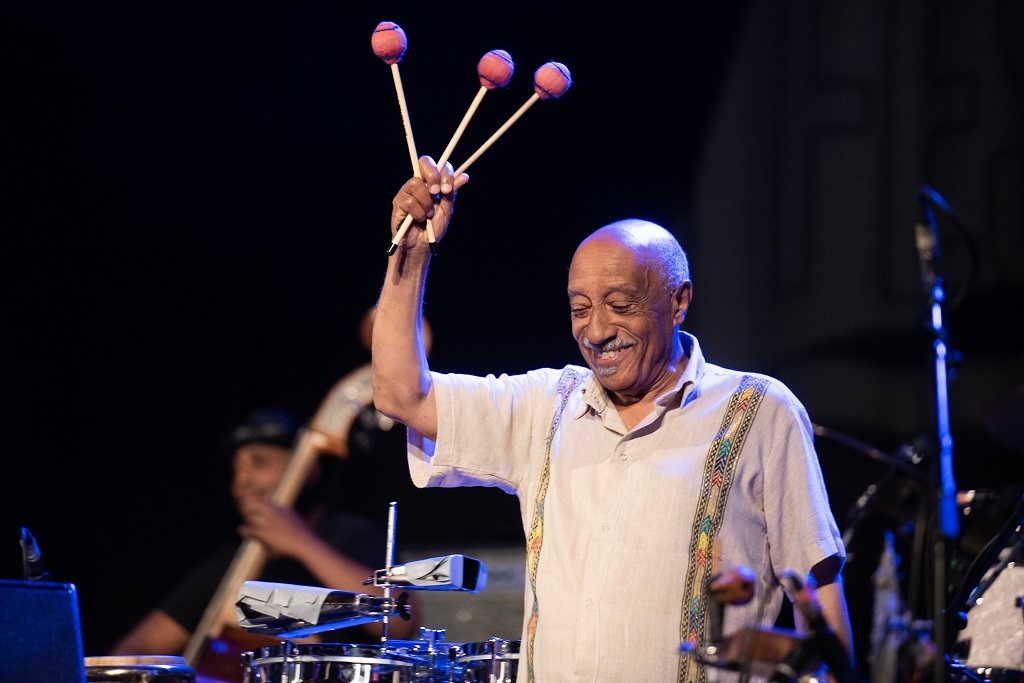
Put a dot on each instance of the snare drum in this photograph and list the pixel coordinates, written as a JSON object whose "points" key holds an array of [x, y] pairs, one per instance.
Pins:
{"points": [[491, 661], [304, 663], [138, 669]]}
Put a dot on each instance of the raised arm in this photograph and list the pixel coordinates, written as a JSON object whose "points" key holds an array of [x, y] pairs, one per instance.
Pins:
{"points": [[402, 388]]}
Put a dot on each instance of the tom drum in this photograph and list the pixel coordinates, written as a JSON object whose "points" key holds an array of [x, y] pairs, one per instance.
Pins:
{"points": [[491, 661], [308, 663], [138, 669]]}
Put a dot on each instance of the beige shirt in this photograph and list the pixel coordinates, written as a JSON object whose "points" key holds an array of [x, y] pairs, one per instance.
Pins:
{"points": [[620, 506]]}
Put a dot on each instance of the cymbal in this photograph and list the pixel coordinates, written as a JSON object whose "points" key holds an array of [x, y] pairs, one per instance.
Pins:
{"points": [[1004, 418]]}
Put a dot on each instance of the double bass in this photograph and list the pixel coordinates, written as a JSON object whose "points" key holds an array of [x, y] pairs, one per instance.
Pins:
{"points": [[215, 649]]}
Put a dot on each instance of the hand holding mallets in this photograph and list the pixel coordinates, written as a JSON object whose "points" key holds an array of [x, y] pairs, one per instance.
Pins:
{"points": [[494, 69]]}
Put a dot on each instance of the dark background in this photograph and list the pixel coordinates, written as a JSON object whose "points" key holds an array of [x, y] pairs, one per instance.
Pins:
{"points": [[197, 212]]}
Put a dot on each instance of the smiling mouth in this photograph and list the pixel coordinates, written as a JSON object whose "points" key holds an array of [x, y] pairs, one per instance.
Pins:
{"points": [[605, 358], [607, 361]]}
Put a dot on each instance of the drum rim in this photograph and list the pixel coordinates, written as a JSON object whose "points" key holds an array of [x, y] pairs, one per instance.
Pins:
{"points": [[307, 659], [316, 649], [488, 658], [112, 665], [487, 649]]}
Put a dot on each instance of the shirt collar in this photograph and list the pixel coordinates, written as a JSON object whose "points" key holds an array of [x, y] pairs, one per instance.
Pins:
{"points": [[596, 398]]}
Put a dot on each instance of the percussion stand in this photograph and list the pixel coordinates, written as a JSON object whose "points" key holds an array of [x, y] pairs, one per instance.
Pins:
{"points": [[389, 560], [927, 241]]}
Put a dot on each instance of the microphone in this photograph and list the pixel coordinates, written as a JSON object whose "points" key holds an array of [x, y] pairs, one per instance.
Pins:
{"points": [[856, 514], [927, 254], [31, 558], [926, 239], [446, 573]]}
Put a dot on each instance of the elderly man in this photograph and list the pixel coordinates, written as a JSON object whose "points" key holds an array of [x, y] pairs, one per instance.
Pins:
{"points": [[638, 475]]}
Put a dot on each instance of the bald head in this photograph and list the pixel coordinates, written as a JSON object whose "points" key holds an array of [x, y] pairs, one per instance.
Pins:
{"points": [[629, 291], [653, 247]]}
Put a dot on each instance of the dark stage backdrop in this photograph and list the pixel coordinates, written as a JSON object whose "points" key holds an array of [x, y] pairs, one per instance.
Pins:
{"points": [[197, 211], [197, 214]]}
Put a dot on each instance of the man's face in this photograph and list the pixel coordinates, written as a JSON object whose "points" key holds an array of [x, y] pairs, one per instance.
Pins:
{"points": [[257, 469], [623, 319]]}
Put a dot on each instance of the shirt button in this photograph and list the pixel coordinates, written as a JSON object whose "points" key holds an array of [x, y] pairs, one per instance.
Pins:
{"points": [[606, 527], [590, 603], [623, 456]]}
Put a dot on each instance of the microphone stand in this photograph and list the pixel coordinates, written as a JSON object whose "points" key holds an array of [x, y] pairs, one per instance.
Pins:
{"points": [[927, 240]]}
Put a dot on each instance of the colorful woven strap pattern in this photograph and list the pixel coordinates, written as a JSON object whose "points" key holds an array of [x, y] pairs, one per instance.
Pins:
{"points": [[535, 538], [717, 479]]}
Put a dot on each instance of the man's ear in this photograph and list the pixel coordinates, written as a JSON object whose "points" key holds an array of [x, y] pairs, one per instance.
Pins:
{"points": [[681, 298]]}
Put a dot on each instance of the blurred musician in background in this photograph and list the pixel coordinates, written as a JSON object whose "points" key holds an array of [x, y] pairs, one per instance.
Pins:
{"points": [[629, 471], [308, 544]]}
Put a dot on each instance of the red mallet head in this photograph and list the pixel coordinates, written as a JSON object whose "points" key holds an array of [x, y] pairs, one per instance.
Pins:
{"points": [[389, 42], [495, 69], [551, 80]]}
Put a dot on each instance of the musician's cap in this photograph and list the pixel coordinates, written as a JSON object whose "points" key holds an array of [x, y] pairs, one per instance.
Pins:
{"points": [[267, 425]]}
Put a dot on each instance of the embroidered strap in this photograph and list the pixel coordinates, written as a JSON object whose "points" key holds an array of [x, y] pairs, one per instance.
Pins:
{"points": [[568, 381], [717, 479]]}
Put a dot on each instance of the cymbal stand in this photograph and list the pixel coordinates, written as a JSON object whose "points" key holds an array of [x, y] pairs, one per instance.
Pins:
{"points": [[389, 560], [927, 242]]}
